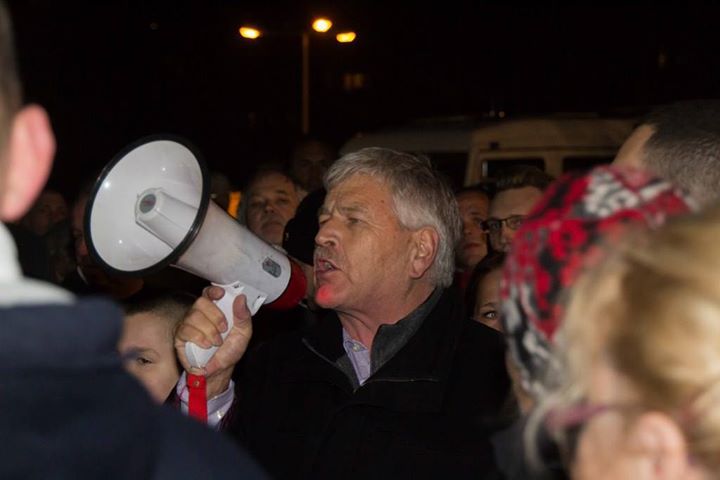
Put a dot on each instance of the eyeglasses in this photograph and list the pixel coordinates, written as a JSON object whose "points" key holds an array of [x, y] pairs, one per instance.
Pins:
{"points": [[494, 225], [568, 423]]}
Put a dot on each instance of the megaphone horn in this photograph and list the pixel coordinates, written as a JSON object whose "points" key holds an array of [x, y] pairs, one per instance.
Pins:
{"points": [[150, 208]]}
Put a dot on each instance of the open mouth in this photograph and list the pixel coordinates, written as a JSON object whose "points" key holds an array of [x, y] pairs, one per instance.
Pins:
{"points": [[322, 266]]}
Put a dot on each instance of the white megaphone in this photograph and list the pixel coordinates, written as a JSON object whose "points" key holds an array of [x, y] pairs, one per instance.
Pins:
{"points": [[151, 208]]}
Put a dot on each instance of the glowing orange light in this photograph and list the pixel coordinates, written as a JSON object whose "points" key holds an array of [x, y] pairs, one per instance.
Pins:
{"points": [[250, 33], [346, 37], [321, 25]]}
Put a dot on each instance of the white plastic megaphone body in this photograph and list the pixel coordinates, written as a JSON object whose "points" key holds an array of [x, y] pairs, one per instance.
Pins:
{"points": [[151, 208]]}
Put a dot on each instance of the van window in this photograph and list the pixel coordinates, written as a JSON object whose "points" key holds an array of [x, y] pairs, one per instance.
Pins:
{"points": [[584, 162], [496, 165]]}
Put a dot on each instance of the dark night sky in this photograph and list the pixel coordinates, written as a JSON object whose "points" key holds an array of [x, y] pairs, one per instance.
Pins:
{"points": [[110, 72]]}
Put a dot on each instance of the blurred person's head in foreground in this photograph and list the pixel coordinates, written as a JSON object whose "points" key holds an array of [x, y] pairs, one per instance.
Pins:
{"points": [[27, 143], [63, 398], [482, 297], [517, 190], [580, 217], [147, 341], [679, 142], [639, 396]]}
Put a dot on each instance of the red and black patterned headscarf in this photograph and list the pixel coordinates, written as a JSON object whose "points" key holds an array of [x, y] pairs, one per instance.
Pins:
{"points": [[571, 229]]}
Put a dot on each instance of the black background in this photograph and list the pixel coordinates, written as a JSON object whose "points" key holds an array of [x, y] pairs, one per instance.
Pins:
{"points": [[112, 71]]}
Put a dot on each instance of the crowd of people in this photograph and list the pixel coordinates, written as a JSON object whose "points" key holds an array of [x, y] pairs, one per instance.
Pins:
{"points": [[525, 327]]}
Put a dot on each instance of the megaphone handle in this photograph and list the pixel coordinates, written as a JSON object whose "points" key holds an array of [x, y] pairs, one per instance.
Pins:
{"points": [[198, 356]]}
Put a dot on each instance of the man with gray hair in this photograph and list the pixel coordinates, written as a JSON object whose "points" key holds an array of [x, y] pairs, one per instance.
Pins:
{"points": [[397, 382], [679, 142]]}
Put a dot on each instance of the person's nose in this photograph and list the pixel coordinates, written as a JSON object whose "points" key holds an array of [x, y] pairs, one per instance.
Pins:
{"points": [[467, 227], [506, 235], [327, 235]]}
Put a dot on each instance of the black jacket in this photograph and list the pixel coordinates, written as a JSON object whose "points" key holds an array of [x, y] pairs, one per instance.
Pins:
{"points": [[69, 410], [426, 413]]}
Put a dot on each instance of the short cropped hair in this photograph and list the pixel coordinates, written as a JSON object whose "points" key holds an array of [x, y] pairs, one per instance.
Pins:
{"points": [[421, 198], [486, 188], [171, 306], [685, 146], [522, 176]]}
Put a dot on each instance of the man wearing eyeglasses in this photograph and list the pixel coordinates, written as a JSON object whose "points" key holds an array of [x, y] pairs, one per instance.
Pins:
{"points": [[517, 191]]}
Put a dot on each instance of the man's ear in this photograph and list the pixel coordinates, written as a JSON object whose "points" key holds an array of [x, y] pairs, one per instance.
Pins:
{"points": [[31, 147], [632, 151], [661, 443], [423, 252]]}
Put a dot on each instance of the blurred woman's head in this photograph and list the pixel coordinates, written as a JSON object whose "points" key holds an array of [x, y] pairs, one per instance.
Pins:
{"points": [[640, 358]]}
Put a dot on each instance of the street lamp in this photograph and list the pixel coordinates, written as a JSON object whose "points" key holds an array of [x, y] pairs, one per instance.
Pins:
{"points": [[320, 25], [249, 33], [345, 37]]}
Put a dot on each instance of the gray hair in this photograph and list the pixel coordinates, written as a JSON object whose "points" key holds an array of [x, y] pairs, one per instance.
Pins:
{"points": [[421, 198]]}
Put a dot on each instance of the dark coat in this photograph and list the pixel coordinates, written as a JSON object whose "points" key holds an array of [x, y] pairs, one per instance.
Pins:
{"points": [[426, 413], [512, 458], [69, 410]]}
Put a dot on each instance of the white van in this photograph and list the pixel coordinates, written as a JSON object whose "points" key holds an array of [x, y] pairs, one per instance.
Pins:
{"points": [[468, 151]]}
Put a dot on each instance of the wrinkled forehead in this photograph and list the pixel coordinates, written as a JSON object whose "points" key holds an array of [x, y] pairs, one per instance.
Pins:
{"points": [[360, 191]]}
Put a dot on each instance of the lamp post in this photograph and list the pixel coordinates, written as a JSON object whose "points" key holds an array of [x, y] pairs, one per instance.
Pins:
{"points": [[320, 25], [305, 110]]}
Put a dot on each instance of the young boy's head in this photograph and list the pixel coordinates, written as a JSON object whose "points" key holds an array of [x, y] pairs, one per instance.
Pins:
{"points": [[147, 341]]}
